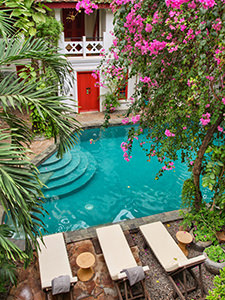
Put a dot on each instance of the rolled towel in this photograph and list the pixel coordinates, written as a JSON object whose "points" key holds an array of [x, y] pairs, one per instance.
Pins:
{"points": [[61, 285], [134, 274]]}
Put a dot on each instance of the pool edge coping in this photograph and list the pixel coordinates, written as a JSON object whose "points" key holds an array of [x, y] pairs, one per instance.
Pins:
{"points": [[132, 224]]}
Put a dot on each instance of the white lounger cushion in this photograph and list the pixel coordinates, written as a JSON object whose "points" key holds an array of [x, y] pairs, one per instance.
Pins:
{"points": [[116, 251], [53, 259], [165, 248]]}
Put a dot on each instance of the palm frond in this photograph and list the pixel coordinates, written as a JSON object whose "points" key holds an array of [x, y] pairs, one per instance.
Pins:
{"points": [[6, 23], [20, 189], [15, 50], [51, 107], [8, 248], [19, 126]]}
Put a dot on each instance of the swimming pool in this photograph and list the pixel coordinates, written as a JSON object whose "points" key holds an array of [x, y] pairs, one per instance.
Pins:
{"points": [[94, 185]]}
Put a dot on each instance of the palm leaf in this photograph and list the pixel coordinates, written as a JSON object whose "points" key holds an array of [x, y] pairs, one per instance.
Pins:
{"points": [[6, 23], [47, 103]]}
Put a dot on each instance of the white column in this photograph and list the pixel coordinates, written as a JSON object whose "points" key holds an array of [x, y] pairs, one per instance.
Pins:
{"points": [[61, 40], [107, 36], [84, 45]]}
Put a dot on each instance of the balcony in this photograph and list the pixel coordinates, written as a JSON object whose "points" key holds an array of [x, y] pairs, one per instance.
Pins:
{"points": [[83, 47]]}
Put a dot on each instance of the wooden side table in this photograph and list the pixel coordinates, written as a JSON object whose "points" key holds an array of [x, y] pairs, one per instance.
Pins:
{"points": [[184, 238], [85, 261]]}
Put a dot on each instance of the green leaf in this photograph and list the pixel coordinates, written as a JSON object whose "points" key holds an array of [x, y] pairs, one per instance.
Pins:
{"points": [[32, 31], [38, 18]]}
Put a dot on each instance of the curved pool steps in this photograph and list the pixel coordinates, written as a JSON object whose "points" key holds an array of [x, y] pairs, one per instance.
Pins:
{"points": [[53, 159], [75, 180], [68, 178], [66, 170], [57, 164]]}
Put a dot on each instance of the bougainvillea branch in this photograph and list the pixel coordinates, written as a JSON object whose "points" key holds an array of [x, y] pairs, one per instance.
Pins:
{"points": [[176, 51]]}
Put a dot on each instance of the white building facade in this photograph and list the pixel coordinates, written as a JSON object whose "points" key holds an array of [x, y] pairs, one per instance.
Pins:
{"points": [[83, 39]]}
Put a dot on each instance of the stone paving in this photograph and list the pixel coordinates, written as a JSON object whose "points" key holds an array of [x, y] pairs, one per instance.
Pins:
{"points": [[100, 287]]}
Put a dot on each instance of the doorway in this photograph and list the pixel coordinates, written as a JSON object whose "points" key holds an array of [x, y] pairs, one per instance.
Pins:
{"points": [[88, 93]]}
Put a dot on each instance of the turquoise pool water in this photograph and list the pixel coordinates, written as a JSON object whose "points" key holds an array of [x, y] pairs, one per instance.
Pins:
{"points": [[102, 187]]}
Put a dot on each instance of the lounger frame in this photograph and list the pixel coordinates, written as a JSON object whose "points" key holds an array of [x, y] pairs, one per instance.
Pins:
{"points": [[118, 256], [54, 262], [180, 271]]}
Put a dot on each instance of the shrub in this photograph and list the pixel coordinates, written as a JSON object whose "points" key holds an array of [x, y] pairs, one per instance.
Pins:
{"points": [[218, 292], [215, 253]]}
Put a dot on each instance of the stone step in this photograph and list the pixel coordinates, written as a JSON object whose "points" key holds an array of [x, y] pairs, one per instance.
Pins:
{"points": [[74, 163], [59, 164], [72, 176], [75, 185]]}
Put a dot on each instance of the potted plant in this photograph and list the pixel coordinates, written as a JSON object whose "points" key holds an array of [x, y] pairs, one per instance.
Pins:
{"points": [[215, 258]]}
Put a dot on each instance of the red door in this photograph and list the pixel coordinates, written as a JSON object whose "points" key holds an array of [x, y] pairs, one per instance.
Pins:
{"points": [[88, 93]]}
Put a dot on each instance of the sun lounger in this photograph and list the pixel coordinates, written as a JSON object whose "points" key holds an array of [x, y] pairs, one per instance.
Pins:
{"points": [[172, 259], [53, 260], [118, 256]]}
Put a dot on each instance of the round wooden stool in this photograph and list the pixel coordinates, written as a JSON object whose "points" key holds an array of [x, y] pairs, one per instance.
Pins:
{"points": [[85, 261], [184, 238]]}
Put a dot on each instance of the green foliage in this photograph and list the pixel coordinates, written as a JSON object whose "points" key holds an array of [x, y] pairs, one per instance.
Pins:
{"points": [[206, 223], [213, 177], [40, 123], [111, 102], [7, 266], [218, 292], [27, 15], [188, 193], [50, 30], [216, 253], [20, 187]]}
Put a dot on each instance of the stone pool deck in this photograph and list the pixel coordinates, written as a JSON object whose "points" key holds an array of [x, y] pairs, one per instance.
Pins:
{"points": [[100, 287]]}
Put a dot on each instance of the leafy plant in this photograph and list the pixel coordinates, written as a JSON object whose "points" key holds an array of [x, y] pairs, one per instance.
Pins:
{"points": [[50, 30], [27, 15], [111, 102], [206, 223], [216, 253], [218, 292], [20, 187], [213, 177]]}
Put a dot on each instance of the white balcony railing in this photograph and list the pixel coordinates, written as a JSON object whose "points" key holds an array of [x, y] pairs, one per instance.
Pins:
{"points": [[83, 47]]}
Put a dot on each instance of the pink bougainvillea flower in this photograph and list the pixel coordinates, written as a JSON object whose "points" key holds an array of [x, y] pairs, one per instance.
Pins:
{"points": [[211, 78], [135, 119], [223, 100], [220, 129], [168, 133], [148, 27], [191, 162], [205, 119], [125, 121], [184, 127]]}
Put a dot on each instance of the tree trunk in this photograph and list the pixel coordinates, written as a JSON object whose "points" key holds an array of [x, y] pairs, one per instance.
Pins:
{"points": [[198, 161]]}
